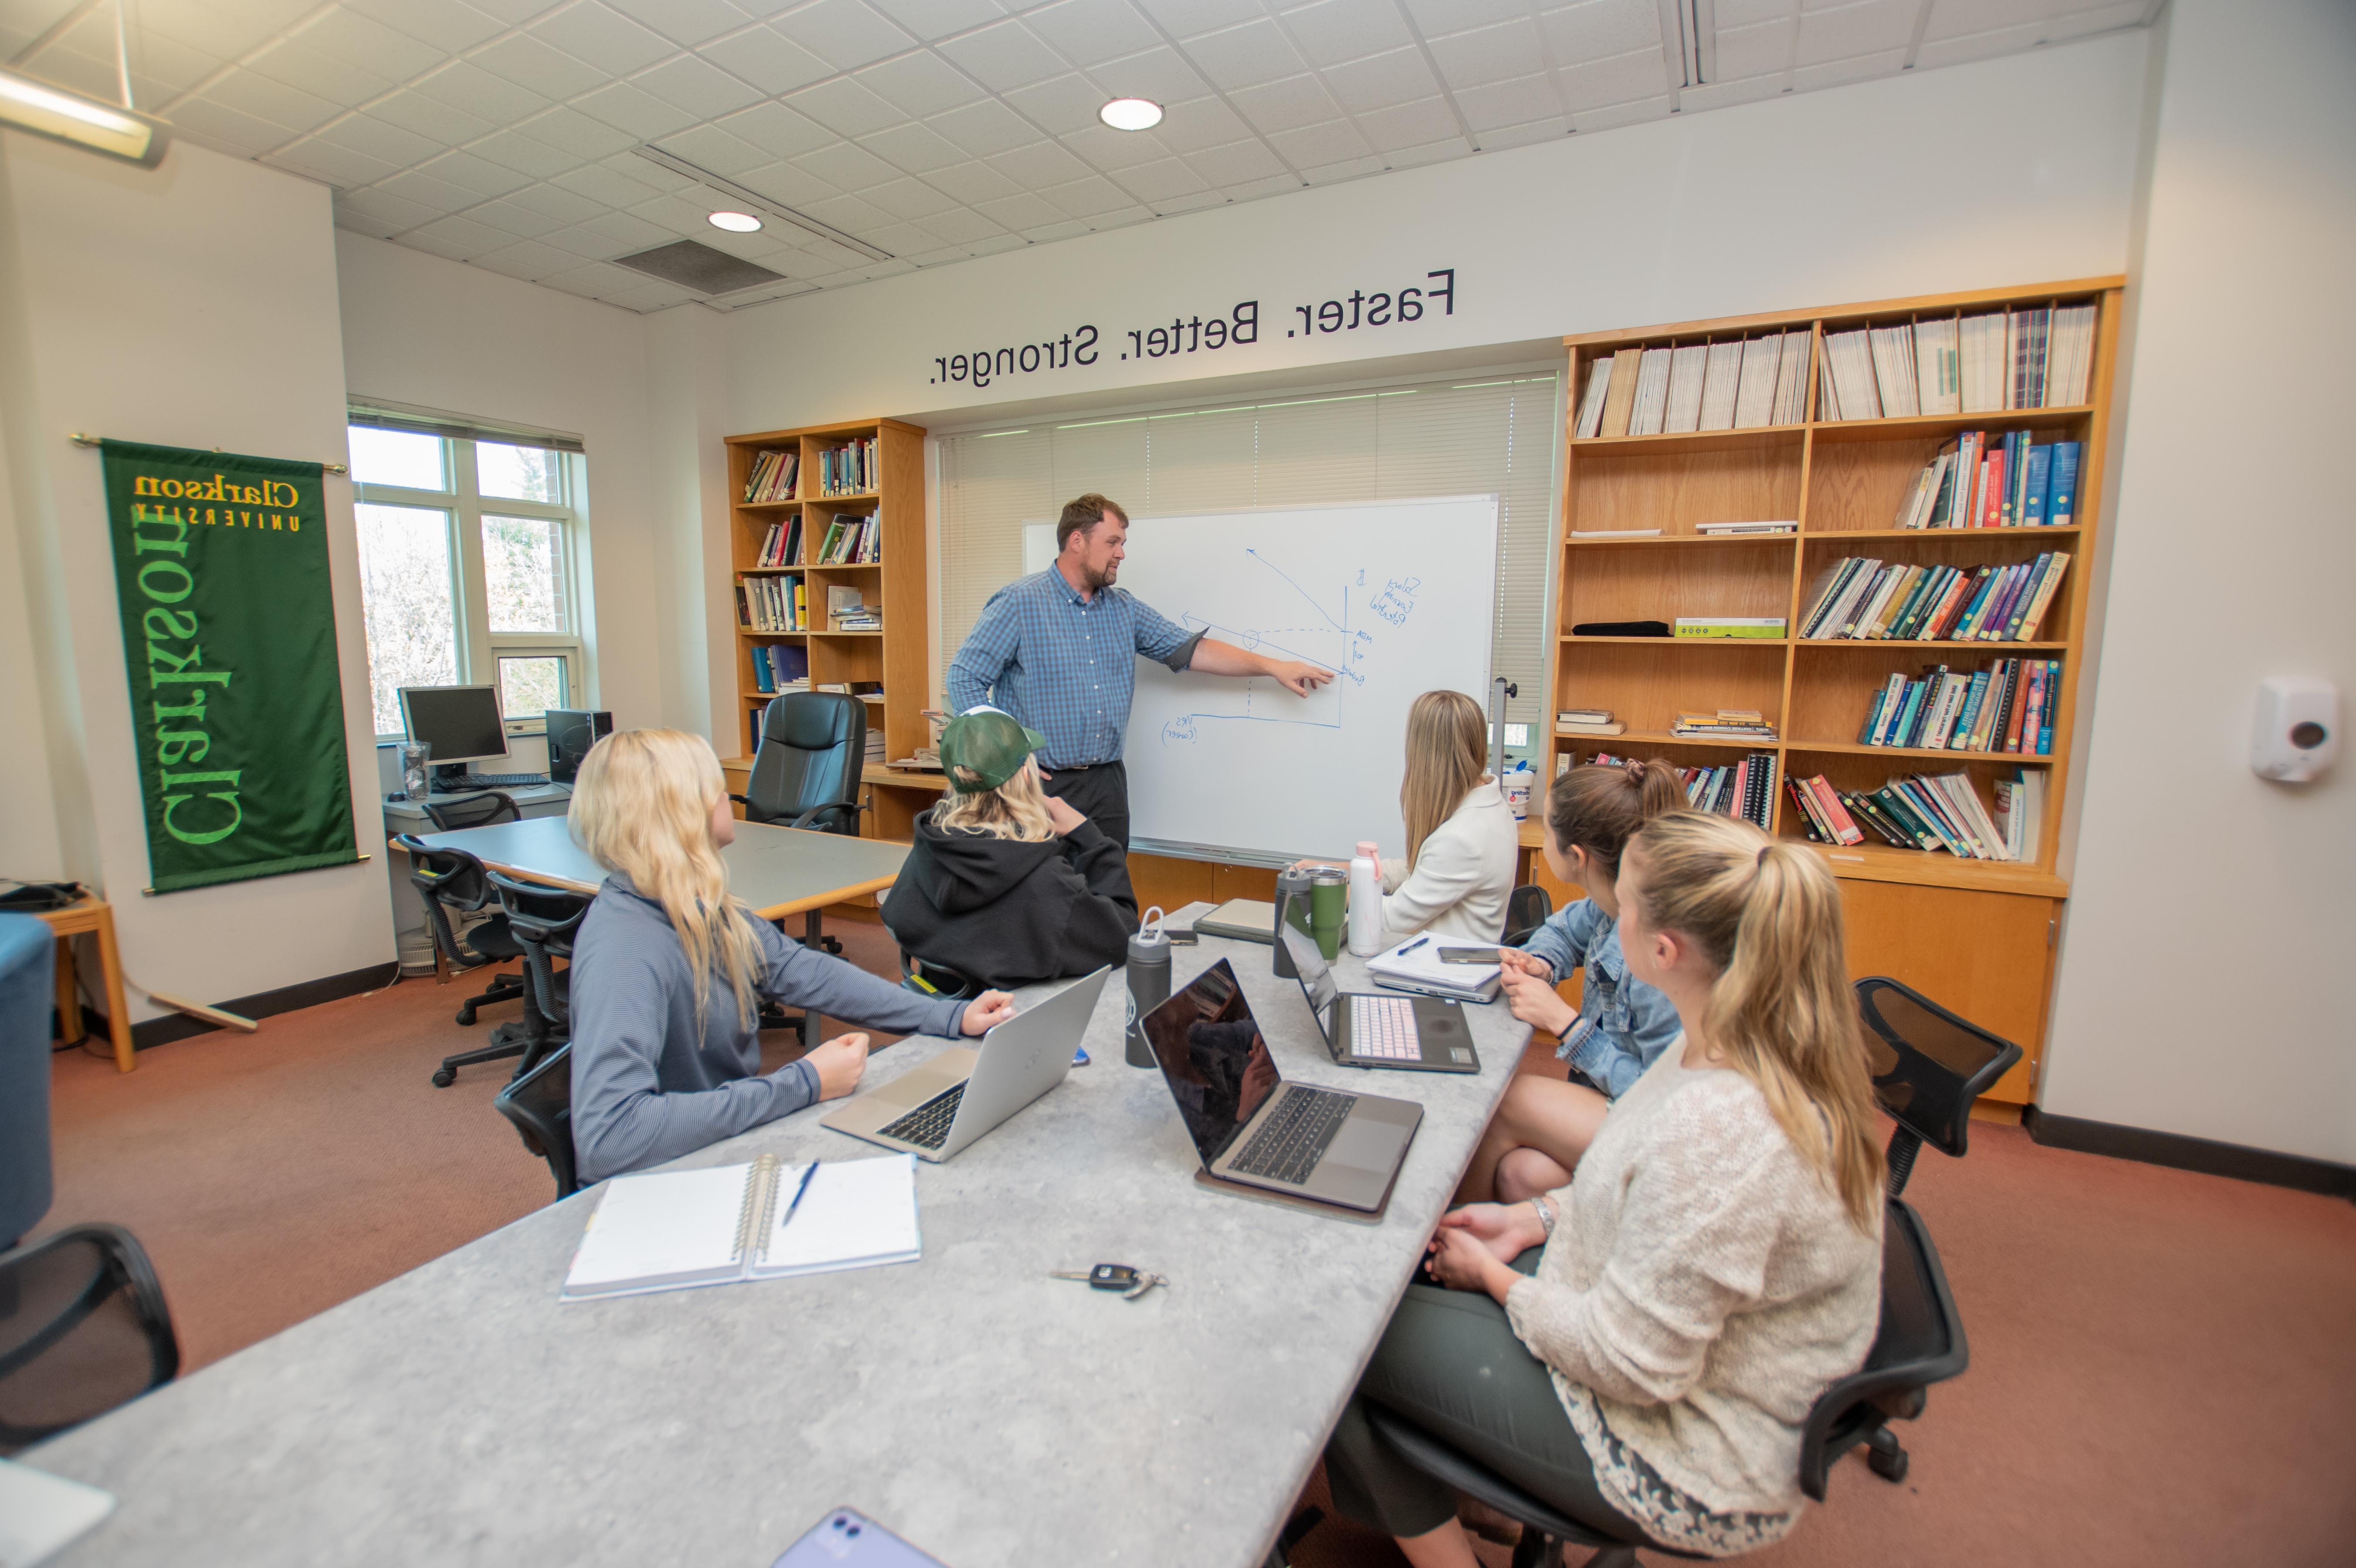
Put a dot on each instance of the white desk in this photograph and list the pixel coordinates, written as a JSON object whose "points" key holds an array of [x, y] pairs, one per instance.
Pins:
{"points": [[1000, 1419]]}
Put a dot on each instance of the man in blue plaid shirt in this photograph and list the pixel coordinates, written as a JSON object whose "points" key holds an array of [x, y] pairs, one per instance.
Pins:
{"points": [[1057, 651]]}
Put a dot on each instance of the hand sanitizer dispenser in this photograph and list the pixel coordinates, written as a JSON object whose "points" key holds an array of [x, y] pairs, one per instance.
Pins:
{"points": [[2298, 729]]}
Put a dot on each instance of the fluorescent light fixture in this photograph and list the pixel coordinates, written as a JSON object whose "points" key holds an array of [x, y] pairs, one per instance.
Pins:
{"points": [[1132, 114], [46, 110], [736, 222]]}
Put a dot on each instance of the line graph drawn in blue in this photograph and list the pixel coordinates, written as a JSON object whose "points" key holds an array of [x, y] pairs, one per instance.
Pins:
{"points": [[1328, 639]]}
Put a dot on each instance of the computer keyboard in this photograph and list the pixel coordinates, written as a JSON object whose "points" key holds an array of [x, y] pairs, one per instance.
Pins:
{"points": [[1293, 1139], [490, 781], [927, 1127], [1384, 1028]]}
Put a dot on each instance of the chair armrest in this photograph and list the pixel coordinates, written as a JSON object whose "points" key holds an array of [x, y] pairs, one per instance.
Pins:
{"points": [[740, 800], [817, 811]]}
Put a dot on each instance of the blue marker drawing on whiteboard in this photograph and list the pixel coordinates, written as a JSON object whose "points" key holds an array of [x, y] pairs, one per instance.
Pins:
{"points": [[1354, 647]]}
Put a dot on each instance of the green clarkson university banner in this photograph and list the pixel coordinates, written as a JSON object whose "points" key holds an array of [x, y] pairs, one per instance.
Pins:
{"points": [[229, 628]]}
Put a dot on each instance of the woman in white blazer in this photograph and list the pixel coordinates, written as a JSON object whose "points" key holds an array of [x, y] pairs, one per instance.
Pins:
{"points": [[1462, 839]]}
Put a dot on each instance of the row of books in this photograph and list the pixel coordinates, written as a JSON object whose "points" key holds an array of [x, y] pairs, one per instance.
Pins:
{"points": [[849, 469], [782, 545], [851, 539], [1745, 789], [1930, 811], [772, 604], [773, 476], [846, 610], [2016, 484], [2038, 357], [2005, 707], [1859, 597], [779, 666], [1725, 724], [1737, 384]]}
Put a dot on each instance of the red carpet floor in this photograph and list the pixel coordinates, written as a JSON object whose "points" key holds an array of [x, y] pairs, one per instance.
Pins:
{"points": [[2163, 1364]]}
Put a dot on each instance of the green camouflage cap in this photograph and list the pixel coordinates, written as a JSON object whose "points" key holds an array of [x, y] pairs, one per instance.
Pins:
{"points": [[982, 748]]}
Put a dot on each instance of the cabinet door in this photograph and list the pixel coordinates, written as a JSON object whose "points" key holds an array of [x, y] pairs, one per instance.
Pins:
{"points": [[1986, 956]]}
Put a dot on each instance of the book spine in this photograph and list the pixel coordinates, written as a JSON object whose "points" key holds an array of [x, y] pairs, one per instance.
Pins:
{"points": [[2039, 479], [1992, 502], [2062, 499], [1818, 828], [1909, 721], [2033, 618], [2045, 710], [1974, 697], [1837, 818]]}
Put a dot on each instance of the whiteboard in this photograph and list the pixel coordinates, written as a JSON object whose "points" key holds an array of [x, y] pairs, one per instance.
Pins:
{"points": [[1398, 596]]}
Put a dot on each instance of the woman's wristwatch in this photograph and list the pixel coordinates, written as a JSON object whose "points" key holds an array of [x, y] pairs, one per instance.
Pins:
{"points": [[1545, 1216]]}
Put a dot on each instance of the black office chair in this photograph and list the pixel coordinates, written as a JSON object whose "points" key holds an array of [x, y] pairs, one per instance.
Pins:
{"points": [[1928, 1066], [1526, 911], [542, 920], [806, 773], [938, 979], [539, 1104], [83, 1329], [457, 811], [451, 881]]}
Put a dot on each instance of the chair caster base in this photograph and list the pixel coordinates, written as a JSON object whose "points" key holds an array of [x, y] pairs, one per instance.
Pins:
{"points": [[444, 1076], [466, 1016], [1886, 1457]]}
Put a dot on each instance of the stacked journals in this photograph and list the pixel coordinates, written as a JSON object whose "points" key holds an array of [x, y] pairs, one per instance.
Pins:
{"points": [[1930, 811], [851, 539], [779, 666], [2033, 359], [2015, 485], [1737, 384], [848, 469], [1588, 722], [846, 610], [782, 545], [772, 604], [1726, 724], [1863, 598], [2007, 707], [772, 478], [1745, 789]]}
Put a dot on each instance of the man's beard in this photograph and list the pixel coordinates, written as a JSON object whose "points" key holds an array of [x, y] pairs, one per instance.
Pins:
{"points": [[1104, 579]]}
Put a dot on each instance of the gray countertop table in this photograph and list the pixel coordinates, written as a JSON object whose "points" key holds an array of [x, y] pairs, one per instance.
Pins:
{"points": [[461, 1414]]}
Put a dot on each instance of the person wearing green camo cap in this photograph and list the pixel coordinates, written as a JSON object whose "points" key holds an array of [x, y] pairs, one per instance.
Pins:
{"points": [[1006, 885]]}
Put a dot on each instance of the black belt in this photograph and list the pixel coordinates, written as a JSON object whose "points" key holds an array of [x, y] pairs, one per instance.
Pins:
{"points": [[1080, 767]]}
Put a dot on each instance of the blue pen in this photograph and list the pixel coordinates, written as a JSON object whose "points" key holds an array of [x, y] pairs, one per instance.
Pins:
{"points": [[1411, 947], [809, 1171]]}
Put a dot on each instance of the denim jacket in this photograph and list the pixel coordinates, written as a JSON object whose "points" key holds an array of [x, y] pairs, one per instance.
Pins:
{"points": [[1623, 1024]]}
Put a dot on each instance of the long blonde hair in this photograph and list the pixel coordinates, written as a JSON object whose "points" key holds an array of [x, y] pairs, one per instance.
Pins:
{"points": [[1768, 915], [1447, 751], [1016, 809], [642, 807]]}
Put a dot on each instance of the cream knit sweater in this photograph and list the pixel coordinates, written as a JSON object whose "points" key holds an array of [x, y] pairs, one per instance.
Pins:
{"points": [[1703, 1287]]}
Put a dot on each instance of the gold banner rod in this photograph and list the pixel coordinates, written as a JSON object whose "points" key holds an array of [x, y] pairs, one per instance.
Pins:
{"points": [[79, 439]]}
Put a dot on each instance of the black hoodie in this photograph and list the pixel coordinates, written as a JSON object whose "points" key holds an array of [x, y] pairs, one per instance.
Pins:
{"points": [[1008, 913]]}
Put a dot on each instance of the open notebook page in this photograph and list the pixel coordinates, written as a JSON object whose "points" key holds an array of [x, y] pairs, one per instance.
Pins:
{"points": [[676, 1227], [857, 1212]]}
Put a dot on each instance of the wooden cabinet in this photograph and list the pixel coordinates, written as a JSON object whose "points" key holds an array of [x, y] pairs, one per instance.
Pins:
{"points": [[1986, 955]]}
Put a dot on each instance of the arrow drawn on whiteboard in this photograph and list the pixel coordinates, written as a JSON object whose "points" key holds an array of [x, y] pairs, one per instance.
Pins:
{"points": [[1320, 609]]}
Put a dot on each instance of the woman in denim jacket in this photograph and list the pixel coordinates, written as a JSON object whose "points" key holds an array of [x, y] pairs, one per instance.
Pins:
{"points": [[1621, 1025]]}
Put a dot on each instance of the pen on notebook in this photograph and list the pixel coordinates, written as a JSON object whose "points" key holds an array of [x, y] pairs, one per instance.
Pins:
{"points": [[809, 1171], [1411, 947]]}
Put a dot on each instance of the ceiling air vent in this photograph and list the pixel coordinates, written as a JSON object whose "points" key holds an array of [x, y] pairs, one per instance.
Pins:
{"points": [[699, 267]]}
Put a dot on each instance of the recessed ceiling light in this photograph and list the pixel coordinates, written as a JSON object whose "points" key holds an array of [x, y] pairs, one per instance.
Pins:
{"points": [[1132, 114], [735, 222]]}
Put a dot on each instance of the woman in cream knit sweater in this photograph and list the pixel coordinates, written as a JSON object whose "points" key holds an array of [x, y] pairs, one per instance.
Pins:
{"points": [[1713, 1266]]}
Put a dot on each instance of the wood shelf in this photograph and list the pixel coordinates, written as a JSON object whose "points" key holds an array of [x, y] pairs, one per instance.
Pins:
{"points": [[1784, 537], [1664, 738], [1698, 440], [767, 570], [1850, 748], [1686, 642], [2066, 531], [1943, 424], [764, 505], [1994, 648], [756, 632], [1936, 867]]}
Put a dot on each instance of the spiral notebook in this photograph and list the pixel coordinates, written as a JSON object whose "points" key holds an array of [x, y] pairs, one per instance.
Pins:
{"points": [[678, 1229]]}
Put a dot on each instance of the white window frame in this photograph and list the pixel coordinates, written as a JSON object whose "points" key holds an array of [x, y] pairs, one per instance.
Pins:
{"points": [[463, 506]]}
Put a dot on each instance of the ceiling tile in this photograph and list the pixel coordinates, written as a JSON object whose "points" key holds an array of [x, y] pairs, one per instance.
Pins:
{"points": [[961, 226], [709, 147], [1107, 148], [1865, 27], [368, 46], [1086, 198], [229, 127], [582, 243], [553, 201], [1937, 52], [1515, 102], [1020, 211], [1236, 164], [1312, 145], [645, 171], [2099, 18], [1745, 13], [777, 130], [687, 219], [787, 186], [383, 206], [514, 150], [1241, 57], [1417, 157], [1546, 129], [1635, 111], [919, 83], [427, 191], [462, 84], [767, 58], [589, 282], [846, 108], [846, 34], [1602, 28], [514, 13], [899, 239], [338, 167], [546, 69], [1347, 169], [1285, 105], [846, 167], [915, 148], [932, 19], [1089, 32], [1069, 228], [166, 66], [377, 138], [1497, 53], [1961, 18], [627, 232], [1331, 31], [444, 23], [1004, 56], [1743, 89], [413, 111], [275, 101], [688, 22], [224, 31], [1038, 166], [514, 218], [1199, 123], [1189, 203], [908, 198], [360, 223], [1410, 124], [570, 131], [971, 182], [606, 39], [626, 107], [1160, 73], [694, 84], [1758, 50], [456, 239], [1399, 76], [1436, 17], [1184, 18], [1832, 73], [1278, 185], [315, 70], [601, 184], [481, 176], [983, 128], [850, 215], [1625, 79], [1059, 105], [529, 261]]}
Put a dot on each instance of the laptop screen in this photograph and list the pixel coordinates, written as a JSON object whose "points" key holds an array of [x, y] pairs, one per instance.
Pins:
{"points": [[1316, 979], [1217, 1066]]}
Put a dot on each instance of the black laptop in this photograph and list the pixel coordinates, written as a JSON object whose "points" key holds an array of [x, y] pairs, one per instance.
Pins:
{"points": [[1369, 1028], [1251, 1127]]}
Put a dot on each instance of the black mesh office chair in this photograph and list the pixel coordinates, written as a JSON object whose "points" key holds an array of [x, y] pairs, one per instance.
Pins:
{"points": [[453, 812], [452, 881], [1526, 911], [83, 1329], [1928, 1066], [542, 920], [539, 1104]]}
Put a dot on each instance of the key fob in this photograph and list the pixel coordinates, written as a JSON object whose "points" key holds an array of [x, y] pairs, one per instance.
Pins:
{"points": [[1112, 1276]]}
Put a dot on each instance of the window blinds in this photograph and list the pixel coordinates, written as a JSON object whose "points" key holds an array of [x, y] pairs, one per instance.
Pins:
{"points": [[382, 415], [1446, 438]]}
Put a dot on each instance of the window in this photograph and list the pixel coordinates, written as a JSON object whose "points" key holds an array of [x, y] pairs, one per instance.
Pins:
{"points": [[468, 570]]}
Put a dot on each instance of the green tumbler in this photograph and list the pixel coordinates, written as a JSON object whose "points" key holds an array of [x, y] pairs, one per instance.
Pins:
{"points": [[1328, 908]]}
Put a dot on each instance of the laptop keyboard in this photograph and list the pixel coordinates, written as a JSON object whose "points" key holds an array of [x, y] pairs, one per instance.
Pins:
{"points": [[1290, 1142], [1383, 1028], [927, 1127]]}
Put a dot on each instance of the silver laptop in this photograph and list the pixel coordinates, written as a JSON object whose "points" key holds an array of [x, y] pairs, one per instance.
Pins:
{"points": [[1368, 1029], [1249, 1126], [959, 1096]]}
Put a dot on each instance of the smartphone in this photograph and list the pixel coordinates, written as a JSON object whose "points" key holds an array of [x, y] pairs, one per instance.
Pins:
{"points": [[1468, 955], [849, 1539]]}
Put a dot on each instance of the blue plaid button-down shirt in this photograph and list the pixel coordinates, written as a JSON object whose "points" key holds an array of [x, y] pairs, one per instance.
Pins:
{"points": [[1065, 665]]}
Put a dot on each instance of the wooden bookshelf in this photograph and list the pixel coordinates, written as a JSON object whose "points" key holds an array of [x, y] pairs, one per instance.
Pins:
{"points": [[1975, 935], [893, 584]]}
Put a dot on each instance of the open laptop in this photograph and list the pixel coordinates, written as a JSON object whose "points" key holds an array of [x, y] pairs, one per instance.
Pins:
{"points": [[959, 1096], [1249, 1126], [1363, 1028]]}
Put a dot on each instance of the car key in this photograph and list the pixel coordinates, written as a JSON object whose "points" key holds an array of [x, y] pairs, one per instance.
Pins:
{"points": [[1131, 1281]]}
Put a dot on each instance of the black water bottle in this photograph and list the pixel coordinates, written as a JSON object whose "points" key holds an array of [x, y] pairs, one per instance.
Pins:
{"points": [[1149, 985], [1292, 908]]}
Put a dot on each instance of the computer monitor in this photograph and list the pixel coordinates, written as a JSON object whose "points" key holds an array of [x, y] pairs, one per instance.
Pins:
{"points": [[571, 732], [462, 723]]}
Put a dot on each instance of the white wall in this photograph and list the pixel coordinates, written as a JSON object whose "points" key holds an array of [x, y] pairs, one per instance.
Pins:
{"points": [[191, 306], [2201, 964]]}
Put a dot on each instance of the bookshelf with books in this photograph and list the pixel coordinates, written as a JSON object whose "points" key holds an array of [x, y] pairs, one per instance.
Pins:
{"points": [[827, 551], [1922, 491]]}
